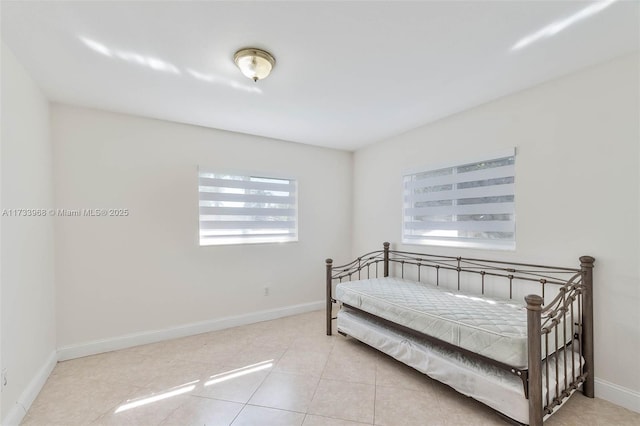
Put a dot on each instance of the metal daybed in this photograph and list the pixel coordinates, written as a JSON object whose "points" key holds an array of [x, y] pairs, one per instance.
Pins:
{"points": [[434, 313]]}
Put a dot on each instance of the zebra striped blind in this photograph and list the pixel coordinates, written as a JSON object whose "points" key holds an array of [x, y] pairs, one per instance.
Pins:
{"points": [[468, 205], [238, 209]]}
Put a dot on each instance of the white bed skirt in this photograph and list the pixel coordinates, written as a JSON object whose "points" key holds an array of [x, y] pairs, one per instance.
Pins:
{"points": [[488, 384]]}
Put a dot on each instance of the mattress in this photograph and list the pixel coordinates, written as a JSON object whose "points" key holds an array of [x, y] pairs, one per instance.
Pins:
{"points": [[484, 382], [491, 327]]}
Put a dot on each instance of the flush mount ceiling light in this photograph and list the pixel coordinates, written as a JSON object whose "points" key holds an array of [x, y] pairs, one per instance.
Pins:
{"points": [[254, 63]]}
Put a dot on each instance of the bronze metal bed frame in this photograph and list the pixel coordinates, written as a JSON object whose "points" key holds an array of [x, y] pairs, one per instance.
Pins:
{"points": [[575, 291]]}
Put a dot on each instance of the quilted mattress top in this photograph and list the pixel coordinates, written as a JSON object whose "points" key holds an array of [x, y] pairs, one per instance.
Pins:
{"points": [[491, 327]]}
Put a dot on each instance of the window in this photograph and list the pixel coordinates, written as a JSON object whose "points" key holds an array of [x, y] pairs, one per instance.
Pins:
{"points": [[239, 209], [468, 205]]}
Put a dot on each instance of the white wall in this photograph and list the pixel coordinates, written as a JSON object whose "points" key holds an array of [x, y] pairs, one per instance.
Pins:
{"points": [[27, 275], [122, 275], [577, 187]]}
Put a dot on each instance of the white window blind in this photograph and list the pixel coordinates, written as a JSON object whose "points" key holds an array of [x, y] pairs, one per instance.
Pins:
{"points": [[239, 209], [469, 205]]}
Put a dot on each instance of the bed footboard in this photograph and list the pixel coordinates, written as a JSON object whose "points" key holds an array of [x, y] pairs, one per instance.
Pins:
{"points": [[564, 373]]}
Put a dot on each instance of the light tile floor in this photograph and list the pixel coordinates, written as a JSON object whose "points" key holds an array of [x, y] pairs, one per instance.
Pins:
{"points": [[281, 372]]}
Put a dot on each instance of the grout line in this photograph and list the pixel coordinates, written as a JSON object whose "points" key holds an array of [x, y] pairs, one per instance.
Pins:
{"points": [[272, 370], [261, 383], [240, 411], [217, 399], [172, 411], [276, 408], [113, 408], [339, 418]]}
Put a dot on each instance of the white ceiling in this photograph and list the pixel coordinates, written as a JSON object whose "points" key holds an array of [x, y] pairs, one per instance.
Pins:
{"points": [[347, 73]]}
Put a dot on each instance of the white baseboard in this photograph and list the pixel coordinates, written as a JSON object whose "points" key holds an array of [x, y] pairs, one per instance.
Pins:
{"points": [[135, 339], [19, 410], [619, 395]]}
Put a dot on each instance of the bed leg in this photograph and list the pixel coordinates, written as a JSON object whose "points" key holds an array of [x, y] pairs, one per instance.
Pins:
{"points": [[329, 295], [534, 337], [586, 264], [386, 258]]}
